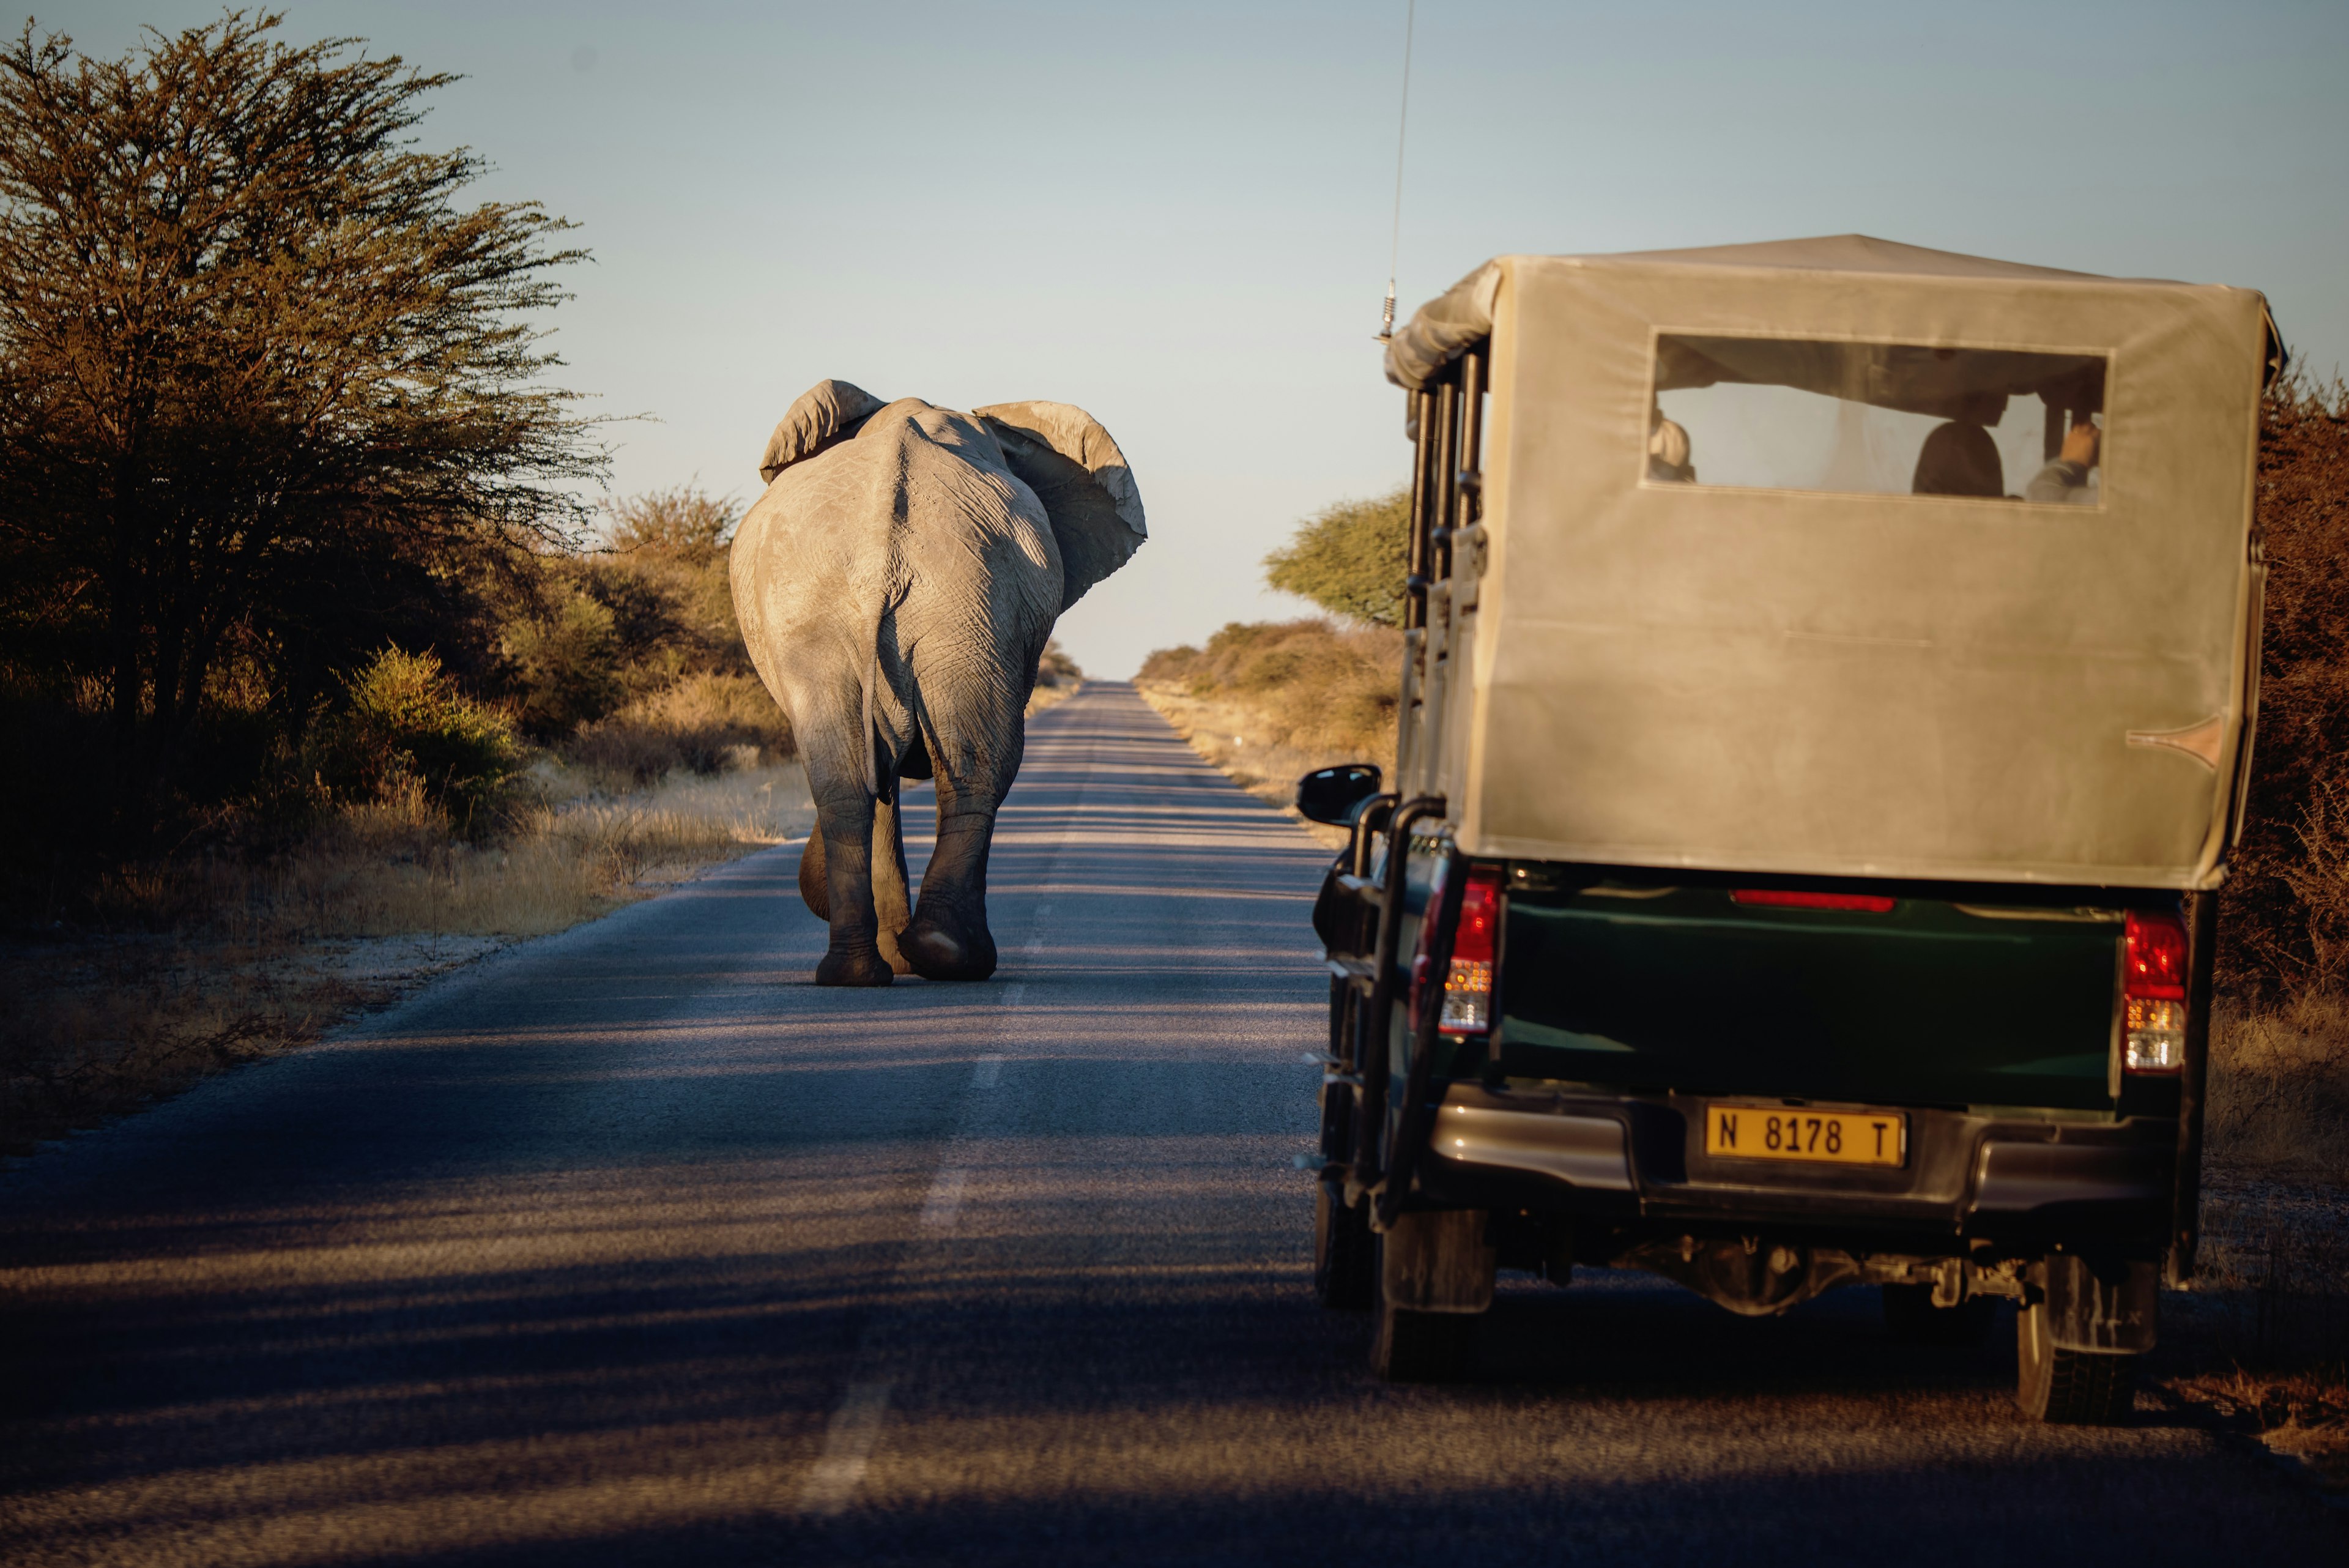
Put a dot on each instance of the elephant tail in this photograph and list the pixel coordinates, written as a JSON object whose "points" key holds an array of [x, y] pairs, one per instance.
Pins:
{"points": [[872, 729], [815, 891]]}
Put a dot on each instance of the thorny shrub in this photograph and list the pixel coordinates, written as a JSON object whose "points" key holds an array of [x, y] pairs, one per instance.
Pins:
{"points": [[2285, 912], [1316, 685]]}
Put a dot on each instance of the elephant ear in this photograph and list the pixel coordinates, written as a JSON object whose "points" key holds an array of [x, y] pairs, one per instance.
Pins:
{"points": [[827, 413], [1077, 472]]}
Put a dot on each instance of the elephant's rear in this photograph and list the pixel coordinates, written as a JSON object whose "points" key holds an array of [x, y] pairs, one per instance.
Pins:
{"points": [[902, 574], [897, 583]]}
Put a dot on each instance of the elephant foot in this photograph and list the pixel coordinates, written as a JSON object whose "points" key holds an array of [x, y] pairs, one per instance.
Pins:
{"points": [[865, 967], [892, 954], [938, 953]]}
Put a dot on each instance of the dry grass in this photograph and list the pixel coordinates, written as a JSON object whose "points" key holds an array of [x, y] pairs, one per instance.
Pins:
{"points": [[702, 724], [2270, 1301], [2280, 1088], [1314, 686], [2304, 1415], [2262, 1331], [94, 1027], [1052, 696], [265, 956]]}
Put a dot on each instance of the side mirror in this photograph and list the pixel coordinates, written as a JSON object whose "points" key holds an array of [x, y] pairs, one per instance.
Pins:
{"points": [[1335, 795]]}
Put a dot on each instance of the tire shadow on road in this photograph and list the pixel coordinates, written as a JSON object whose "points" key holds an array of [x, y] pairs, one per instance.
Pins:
{"points": [[1627, 1335]]}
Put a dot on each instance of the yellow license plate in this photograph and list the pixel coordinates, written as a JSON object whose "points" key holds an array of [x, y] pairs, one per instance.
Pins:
{"points": [[1786, 1132]]}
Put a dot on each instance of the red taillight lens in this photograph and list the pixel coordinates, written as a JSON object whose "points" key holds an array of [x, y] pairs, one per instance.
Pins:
{"points": [[1468, 984], [1797, 898], [2153, 993], [1480, 918], [2155, 966]]}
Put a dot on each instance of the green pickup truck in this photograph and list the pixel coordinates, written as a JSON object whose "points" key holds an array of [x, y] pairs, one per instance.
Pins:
{"points": [[1828, 687]]}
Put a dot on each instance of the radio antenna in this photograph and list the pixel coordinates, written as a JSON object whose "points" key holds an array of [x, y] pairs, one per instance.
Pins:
{"points": [[1402, 126]]}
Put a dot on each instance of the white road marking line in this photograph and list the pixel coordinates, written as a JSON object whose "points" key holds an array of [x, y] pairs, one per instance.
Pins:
{"points": [[945, 1201], [847, 1449], [831, 1484]]}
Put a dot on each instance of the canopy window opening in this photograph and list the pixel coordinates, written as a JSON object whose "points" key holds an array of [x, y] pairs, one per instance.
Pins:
{"points": [[1876, 418]]}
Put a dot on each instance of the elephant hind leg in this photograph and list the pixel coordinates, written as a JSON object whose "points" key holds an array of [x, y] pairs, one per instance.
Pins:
{"points": [[949, 938], [977, 754], [853, 957], [814, 892], [890, 906]]}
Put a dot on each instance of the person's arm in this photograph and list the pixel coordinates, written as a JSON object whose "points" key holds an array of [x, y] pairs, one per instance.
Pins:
{"points": [[2067, 478]]}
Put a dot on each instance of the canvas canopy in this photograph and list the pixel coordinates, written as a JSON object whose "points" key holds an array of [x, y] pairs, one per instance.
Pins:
{"points": [[1946, 569]]}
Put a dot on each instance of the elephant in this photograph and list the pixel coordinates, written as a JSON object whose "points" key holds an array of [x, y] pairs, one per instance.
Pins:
{"points": [[895, 585]]}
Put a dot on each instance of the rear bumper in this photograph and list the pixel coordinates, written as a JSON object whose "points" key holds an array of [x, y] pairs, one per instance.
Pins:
{"points": [[1639, 1158]]}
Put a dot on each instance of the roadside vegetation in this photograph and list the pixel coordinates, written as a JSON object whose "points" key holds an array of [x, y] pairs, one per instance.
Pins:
{"points": [[1269, 701], [604, 737], [324, 664]]}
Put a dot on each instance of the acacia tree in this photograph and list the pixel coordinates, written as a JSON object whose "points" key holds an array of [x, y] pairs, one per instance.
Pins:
{"points": [[1350, 558], [256, 352]]}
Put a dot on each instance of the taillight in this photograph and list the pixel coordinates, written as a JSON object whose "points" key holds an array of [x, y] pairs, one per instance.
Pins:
{"points": [[1799, 898], [1468, 984], [2153, 993]]}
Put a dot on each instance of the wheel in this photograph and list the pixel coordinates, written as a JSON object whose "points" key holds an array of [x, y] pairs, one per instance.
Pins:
{"points": [[2070, 1387], [1423, 1346], [1910, 1314], [1345, 1265]]}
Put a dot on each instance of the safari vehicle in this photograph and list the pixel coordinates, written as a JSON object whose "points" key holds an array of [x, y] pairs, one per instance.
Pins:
{"points": [[1828, 691]]}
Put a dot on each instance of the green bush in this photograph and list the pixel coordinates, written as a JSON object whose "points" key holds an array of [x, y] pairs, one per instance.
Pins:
{"points": [[1349, 558], [406, 725], [567, 666]]}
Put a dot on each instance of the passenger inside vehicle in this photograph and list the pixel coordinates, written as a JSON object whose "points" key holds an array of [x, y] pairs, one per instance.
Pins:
{"points": [[1668, 452], [1959, 459], [2067, 478], [1875, 418]]}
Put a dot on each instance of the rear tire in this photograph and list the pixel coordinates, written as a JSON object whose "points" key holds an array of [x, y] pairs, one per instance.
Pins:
{"points": [[1345, 1266], [2069, 1387], [1913, 1319]]}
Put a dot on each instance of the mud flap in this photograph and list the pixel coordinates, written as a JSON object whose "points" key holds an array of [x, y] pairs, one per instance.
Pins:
{"points": [[1437, 1262], [2104, 1304]]}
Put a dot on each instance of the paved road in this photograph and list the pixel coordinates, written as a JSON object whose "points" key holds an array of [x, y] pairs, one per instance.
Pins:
{"points": [[631, 1246]]}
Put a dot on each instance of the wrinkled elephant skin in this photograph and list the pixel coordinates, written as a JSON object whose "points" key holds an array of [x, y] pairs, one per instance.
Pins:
{"points": [[897, 584]]}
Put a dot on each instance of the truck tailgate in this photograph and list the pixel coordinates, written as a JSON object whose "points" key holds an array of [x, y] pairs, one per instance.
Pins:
{"points": [[1930, 1003]]}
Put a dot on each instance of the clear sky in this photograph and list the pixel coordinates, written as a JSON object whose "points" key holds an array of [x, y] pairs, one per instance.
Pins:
{"points": [[1177, 215]]}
